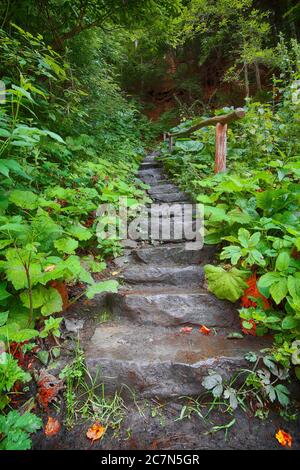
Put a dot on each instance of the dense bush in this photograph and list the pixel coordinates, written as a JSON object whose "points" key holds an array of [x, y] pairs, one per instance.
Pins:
{"points": [[252, 211]]}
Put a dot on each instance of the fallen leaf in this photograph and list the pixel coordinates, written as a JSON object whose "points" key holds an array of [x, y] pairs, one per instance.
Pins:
{"points": [[52, 427], [95, 432], [284, 438], [115, 273], [48, 388], [205, 330], [186, 329], [50, 268]]}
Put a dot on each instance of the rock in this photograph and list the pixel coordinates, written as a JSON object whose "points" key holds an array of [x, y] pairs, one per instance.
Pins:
{"points": [[129, 243], [122, 261], [73, 325], [163, 188], [161, 361], [149, 164], [170, 197], [176, 253], [172, 275], [169, 306]]}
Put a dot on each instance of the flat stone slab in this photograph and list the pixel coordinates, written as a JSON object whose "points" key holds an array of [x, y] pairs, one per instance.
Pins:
{"points": [[175, 254], [151, 172], [173, 307], [177, 196], [162, 362], [173, 210], [150, 164], [162, 188], [172, 229], [172, 275]]}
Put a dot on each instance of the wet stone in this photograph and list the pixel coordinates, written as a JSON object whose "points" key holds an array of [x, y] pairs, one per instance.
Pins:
{"points": [[173, 308], [172, 275]]}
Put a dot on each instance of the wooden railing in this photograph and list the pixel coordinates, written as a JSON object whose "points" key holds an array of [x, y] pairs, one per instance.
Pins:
{"points": [[221, 123]]}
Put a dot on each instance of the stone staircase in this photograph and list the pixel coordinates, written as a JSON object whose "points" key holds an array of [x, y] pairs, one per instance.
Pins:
{"points": [[163, 289]]}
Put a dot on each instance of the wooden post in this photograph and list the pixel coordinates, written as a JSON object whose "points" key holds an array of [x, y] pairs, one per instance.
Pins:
{"points": [[221, 123], [171, 140], [221, 148]]}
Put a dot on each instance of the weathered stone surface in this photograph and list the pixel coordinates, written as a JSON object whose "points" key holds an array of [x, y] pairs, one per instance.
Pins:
{"points": [[175, 254], [152, 173], [127, 243], [149, 164], [177, 209], [170, 197], [160, 361], [73, 325], [173, 275], [163, 188], [172, 229], [173, 307], [122, 261]]}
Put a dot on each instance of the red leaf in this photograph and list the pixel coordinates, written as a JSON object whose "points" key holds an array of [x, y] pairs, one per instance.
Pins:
{"points": [[95, 432], [186, 329], [48, 388], [252, 291], [205, 330], [52, 427]]}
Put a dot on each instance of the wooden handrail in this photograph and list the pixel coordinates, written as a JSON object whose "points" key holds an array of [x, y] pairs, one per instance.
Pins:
{"points": [[221, 123]]}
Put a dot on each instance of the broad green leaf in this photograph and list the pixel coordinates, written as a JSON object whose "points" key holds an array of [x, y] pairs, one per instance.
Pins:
{"points": [[189, 145], [80, 232], [279, 290], [66, 245], [3, 292], [98, 288], [16, 273], [46, 298], [283, 261], [282, 394], [229, 285], [12, 332], [289, 323], [293, 284], [266, 281], [53, 302], [3, 318], [24, 199], [244, 237]]}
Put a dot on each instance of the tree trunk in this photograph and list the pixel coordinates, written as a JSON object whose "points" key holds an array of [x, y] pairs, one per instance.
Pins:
{"points": [[246, 72], [257, 74]]}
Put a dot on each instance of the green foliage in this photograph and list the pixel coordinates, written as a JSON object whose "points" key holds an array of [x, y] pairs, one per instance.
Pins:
{"points": [[228, 285], [15, 430], [251, 211], [10, 373]]}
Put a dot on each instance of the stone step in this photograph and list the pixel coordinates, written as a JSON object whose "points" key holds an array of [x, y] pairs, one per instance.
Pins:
{"points": [[152, 172], [149, 164], [179, 209], [172, 229], [171, 275], [162, 362], [152, 157], [163, 188], [175, 254], [177, 196], [167, 306]]}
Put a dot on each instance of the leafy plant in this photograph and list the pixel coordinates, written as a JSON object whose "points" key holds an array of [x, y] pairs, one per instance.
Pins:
{"points": [[15, 430]]}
